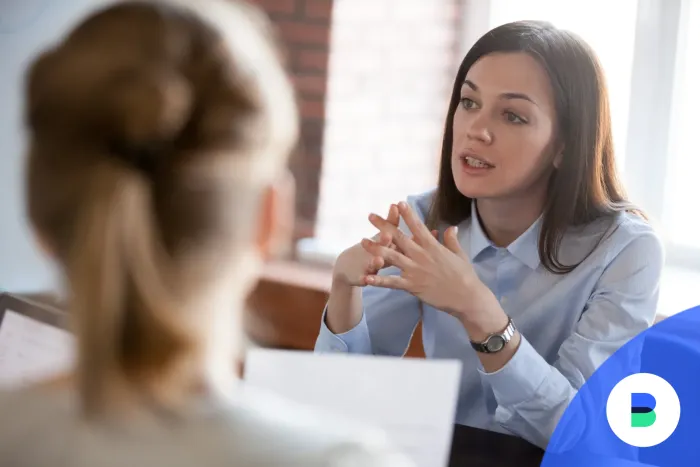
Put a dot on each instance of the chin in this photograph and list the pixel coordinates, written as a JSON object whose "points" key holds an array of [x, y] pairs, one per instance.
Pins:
{"points": [[475, 184], [477, 189], [474, 194]]}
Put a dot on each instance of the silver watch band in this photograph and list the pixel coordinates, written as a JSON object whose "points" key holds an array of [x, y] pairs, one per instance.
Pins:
{"points": [[497, 341]]}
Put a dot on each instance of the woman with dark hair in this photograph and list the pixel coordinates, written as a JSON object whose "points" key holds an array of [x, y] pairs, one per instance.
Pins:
{"points": [[527, 263]]}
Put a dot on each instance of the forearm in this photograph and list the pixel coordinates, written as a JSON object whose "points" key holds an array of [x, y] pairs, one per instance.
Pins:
{"points": [[352, 311], [485, 319], [344, 307], [496, 361]]}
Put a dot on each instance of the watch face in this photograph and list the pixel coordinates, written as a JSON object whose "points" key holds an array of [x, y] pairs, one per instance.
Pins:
{"points": [[495, 343]]}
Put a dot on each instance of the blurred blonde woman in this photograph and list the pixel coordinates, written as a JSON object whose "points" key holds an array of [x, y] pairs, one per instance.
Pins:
{"points": [[159, 133]]}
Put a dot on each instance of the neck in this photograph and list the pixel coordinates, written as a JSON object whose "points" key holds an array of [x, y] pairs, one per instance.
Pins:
{"points": [[504, 220], [224, 345]]}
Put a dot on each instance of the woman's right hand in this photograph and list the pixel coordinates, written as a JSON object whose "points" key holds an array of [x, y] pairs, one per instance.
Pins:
{"points": [[355, 263], [349, 272]]}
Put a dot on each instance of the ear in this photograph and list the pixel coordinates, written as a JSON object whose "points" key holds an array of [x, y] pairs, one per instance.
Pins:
{"points": [[276, 218], [556, 162]]}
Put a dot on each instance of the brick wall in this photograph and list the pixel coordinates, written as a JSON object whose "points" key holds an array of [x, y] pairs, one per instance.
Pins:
{"points": [[304, 31], [392, 65], [373, 78]]}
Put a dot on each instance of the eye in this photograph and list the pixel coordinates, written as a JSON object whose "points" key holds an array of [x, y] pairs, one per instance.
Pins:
{"points": [[514, 118], [467, 103]]}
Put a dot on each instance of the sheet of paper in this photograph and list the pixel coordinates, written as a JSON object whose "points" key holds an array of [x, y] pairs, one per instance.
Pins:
{"points": [[31, 350], [412, 400]]}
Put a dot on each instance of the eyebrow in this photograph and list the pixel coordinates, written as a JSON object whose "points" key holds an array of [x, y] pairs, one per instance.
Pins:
{"points": [[505, 95]]}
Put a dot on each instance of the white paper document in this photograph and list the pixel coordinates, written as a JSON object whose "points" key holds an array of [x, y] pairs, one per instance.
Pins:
{"points": [[412, 400], [31, 351]]}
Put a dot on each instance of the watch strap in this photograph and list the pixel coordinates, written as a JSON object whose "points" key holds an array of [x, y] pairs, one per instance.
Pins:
{"points": [[495, 342]]}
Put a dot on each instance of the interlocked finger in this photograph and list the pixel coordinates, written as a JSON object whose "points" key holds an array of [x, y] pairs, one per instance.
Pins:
{"points": [[388, 256]]}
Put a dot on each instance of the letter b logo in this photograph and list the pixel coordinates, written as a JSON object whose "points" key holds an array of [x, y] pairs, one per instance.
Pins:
{"points": [[643, 414], [643, 410]]}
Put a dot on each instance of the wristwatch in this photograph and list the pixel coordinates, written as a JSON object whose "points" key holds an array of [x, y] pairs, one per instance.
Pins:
{"points": [[497, 341]]}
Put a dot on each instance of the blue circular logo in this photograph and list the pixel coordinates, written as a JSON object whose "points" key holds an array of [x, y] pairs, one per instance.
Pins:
{"points": [[643, 410]]}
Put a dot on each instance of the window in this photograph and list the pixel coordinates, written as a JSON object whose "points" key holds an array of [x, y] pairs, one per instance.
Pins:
{"points": [[682, 190], [611, 35], [649, 49], [391, 70]]}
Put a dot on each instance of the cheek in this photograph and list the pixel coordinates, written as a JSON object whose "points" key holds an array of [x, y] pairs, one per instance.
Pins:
{"points": [[526, 148]]}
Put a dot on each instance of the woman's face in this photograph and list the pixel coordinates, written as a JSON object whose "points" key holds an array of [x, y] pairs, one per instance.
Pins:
{"points": [[504, 128]]}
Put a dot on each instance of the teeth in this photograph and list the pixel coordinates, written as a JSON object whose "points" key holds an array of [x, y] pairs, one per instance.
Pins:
{"points": [[475, 162]]}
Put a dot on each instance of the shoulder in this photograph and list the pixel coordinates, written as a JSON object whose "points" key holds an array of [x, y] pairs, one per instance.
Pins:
{"points": [[34, 402], [28, 415], [610, 238], [305, 436], [253, 429], [632, 235]]}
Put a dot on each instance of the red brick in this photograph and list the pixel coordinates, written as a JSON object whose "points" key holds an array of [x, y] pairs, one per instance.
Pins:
{"points": [[285, 7], [310, 85], [314, 130], [307, 34], [310, 60], [313, 109], [318, 9]]}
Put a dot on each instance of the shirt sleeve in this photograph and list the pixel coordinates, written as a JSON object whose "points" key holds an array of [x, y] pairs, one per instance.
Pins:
{"points": [[389, 318], [531, 394]]}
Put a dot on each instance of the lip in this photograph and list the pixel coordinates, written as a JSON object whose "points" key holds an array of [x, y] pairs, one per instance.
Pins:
{"points": [[473, 155], [475, 170]]}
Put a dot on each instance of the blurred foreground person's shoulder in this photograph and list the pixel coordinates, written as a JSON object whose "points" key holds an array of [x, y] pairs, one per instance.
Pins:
{"points": [[253, 429]]}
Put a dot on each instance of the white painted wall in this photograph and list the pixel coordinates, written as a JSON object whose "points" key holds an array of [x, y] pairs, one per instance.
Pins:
{"points": [[26, 27]]}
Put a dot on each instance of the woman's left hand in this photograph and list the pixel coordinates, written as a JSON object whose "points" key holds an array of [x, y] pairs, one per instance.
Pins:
{"points": [[440, 275]]}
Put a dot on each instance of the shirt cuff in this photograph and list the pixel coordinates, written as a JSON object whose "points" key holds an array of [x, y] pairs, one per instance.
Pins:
{"points": [[519, 379], [356, 340]]}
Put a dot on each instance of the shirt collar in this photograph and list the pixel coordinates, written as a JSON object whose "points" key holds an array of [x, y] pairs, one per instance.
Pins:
{"points": [[478, 240], [525, 247]]}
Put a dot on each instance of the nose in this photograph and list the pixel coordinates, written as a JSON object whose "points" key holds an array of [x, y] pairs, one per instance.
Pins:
{"points": [[479, 130]]}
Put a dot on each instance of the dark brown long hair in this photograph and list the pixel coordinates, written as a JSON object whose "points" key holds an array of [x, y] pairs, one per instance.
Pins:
{"points": [[153, 130], [586, 186]]}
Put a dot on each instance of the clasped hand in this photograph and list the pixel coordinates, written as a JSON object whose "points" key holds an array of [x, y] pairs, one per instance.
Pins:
{"points": [[440, 275]]}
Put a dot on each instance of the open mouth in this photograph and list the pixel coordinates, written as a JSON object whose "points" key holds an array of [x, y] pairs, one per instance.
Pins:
{"points": [[474, 163]]}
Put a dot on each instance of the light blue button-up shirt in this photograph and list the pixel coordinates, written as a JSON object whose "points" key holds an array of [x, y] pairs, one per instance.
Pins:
{"points": [[570, 324]]}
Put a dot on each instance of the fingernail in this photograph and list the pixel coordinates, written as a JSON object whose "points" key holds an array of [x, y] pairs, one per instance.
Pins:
{"points": [[369, 279], [402, 205]]}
